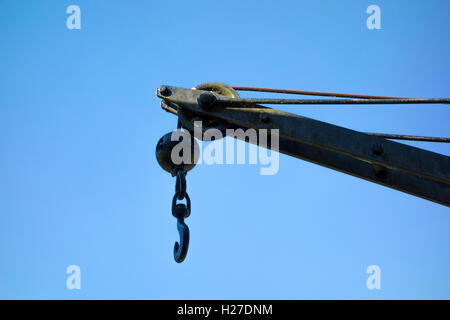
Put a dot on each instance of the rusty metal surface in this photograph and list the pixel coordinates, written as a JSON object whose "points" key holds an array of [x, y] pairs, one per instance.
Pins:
{"points": [[409, 137], [422, 173], [315, 93]]}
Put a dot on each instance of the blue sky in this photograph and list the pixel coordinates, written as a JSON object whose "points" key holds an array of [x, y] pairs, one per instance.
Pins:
{"points": [[79, 122]]}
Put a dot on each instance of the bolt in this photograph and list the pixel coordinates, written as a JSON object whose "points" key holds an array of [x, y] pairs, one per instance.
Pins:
{"points": [[206, 100], [163, 90], [377, 149], [264, 117], [380, 171]]}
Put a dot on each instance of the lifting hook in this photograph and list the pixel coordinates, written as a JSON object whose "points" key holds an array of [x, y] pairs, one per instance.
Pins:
{"points": [[181, 211], [180, 249]]}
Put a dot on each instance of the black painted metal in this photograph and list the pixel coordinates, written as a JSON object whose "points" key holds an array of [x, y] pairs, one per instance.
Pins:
{"points": [[179, 210]]}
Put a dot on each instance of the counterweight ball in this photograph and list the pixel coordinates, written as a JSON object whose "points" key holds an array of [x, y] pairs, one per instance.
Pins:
{"points": [[185, 151]]}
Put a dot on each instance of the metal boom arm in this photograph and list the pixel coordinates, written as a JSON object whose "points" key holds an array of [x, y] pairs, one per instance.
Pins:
{"points": [[409, 169]]}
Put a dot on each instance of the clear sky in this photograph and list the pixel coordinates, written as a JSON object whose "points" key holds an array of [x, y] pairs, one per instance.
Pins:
{"points": [[79, 122]]}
